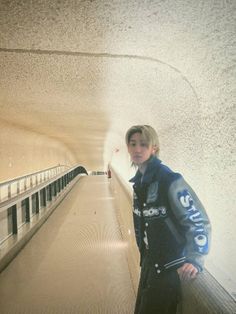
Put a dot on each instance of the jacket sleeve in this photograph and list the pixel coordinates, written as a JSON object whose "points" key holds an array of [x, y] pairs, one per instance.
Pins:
{"points": [[193, 220]]}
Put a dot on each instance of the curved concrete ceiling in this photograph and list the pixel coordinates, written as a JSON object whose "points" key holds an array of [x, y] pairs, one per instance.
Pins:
{"points": [[84, 71]]}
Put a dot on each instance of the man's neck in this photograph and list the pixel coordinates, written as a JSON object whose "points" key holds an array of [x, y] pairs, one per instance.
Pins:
{"points": [[142, 168]]}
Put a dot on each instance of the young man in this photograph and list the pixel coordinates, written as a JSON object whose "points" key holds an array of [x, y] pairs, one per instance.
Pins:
{"points": [[171, 226]]}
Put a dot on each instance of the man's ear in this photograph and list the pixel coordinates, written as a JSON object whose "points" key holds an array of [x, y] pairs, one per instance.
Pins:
{"points": [[154, 149]]}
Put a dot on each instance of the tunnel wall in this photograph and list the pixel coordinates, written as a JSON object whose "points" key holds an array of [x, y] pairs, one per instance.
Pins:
{"points": [[202, 150], [196, 128], [187, 92], [123, 202], [23, 152]]}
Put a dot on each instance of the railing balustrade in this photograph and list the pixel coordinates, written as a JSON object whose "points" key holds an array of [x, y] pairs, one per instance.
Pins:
{"points": [[24, 197], [16, 186]]}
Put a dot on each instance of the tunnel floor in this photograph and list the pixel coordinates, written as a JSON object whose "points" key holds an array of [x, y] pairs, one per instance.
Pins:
{"points": [[75, 263]]}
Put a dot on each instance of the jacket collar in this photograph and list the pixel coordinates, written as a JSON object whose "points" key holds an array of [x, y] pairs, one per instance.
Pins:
{"points": [[150, 173]]}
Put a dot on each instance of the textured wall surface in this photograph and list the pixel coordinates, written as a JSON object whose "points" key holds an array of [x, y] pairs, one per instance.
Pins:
{"points": [[82, 72], [23, 152]]}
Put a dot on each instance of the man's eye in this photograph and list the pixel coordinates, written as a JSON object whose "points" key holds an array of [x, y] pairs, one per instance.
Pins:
{"points": [[143, 144]]}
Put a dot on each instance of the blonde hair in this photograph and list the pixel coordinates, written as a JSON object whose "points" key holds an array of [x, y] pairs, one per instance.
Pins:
{"points": [[148, 133]]}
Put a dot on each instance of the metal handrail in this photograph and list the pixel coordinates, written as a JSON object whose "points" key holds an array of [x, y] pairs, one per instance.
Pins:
{"points": [[37, 197], [18, 198], [30, 174], [44, 175]]}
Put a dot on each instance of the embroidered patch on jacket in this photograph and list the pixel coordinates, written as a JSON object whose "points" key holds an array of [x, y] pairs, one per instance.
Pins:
{"points": [[152, 194], [137, 212], [155, 212], [201, 243], [185, 199]]}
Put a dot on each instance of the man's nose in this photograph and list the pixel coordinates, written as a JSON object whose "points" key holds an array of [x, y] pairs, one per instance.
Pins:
{"points": [[137, 148]]}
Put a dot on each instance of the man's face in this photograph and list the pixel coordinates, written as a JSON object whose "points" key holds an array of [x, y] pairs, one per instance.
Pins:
{"points": [[139, 149]]}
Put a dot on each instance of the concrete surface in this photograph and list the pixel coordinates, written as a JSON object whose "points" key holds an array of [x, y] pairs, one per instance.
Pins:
{"points": [[76, 262]]}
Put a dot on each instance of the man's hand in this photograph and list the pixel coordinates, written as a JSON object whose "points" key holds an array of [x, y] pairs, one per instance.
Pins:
{"points": [[187, 272]]}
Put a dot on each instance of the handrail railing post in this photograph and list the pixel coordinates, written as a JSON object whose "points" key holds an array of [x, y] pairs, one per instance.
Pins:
{"points": [[9, 191], [18, 187], [14, 219], [27, 210]]}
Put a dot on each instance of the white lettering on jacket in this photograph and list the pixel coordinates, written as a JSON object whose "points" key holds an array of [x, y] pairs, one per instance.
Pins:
{"points": [[200, 238]]}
